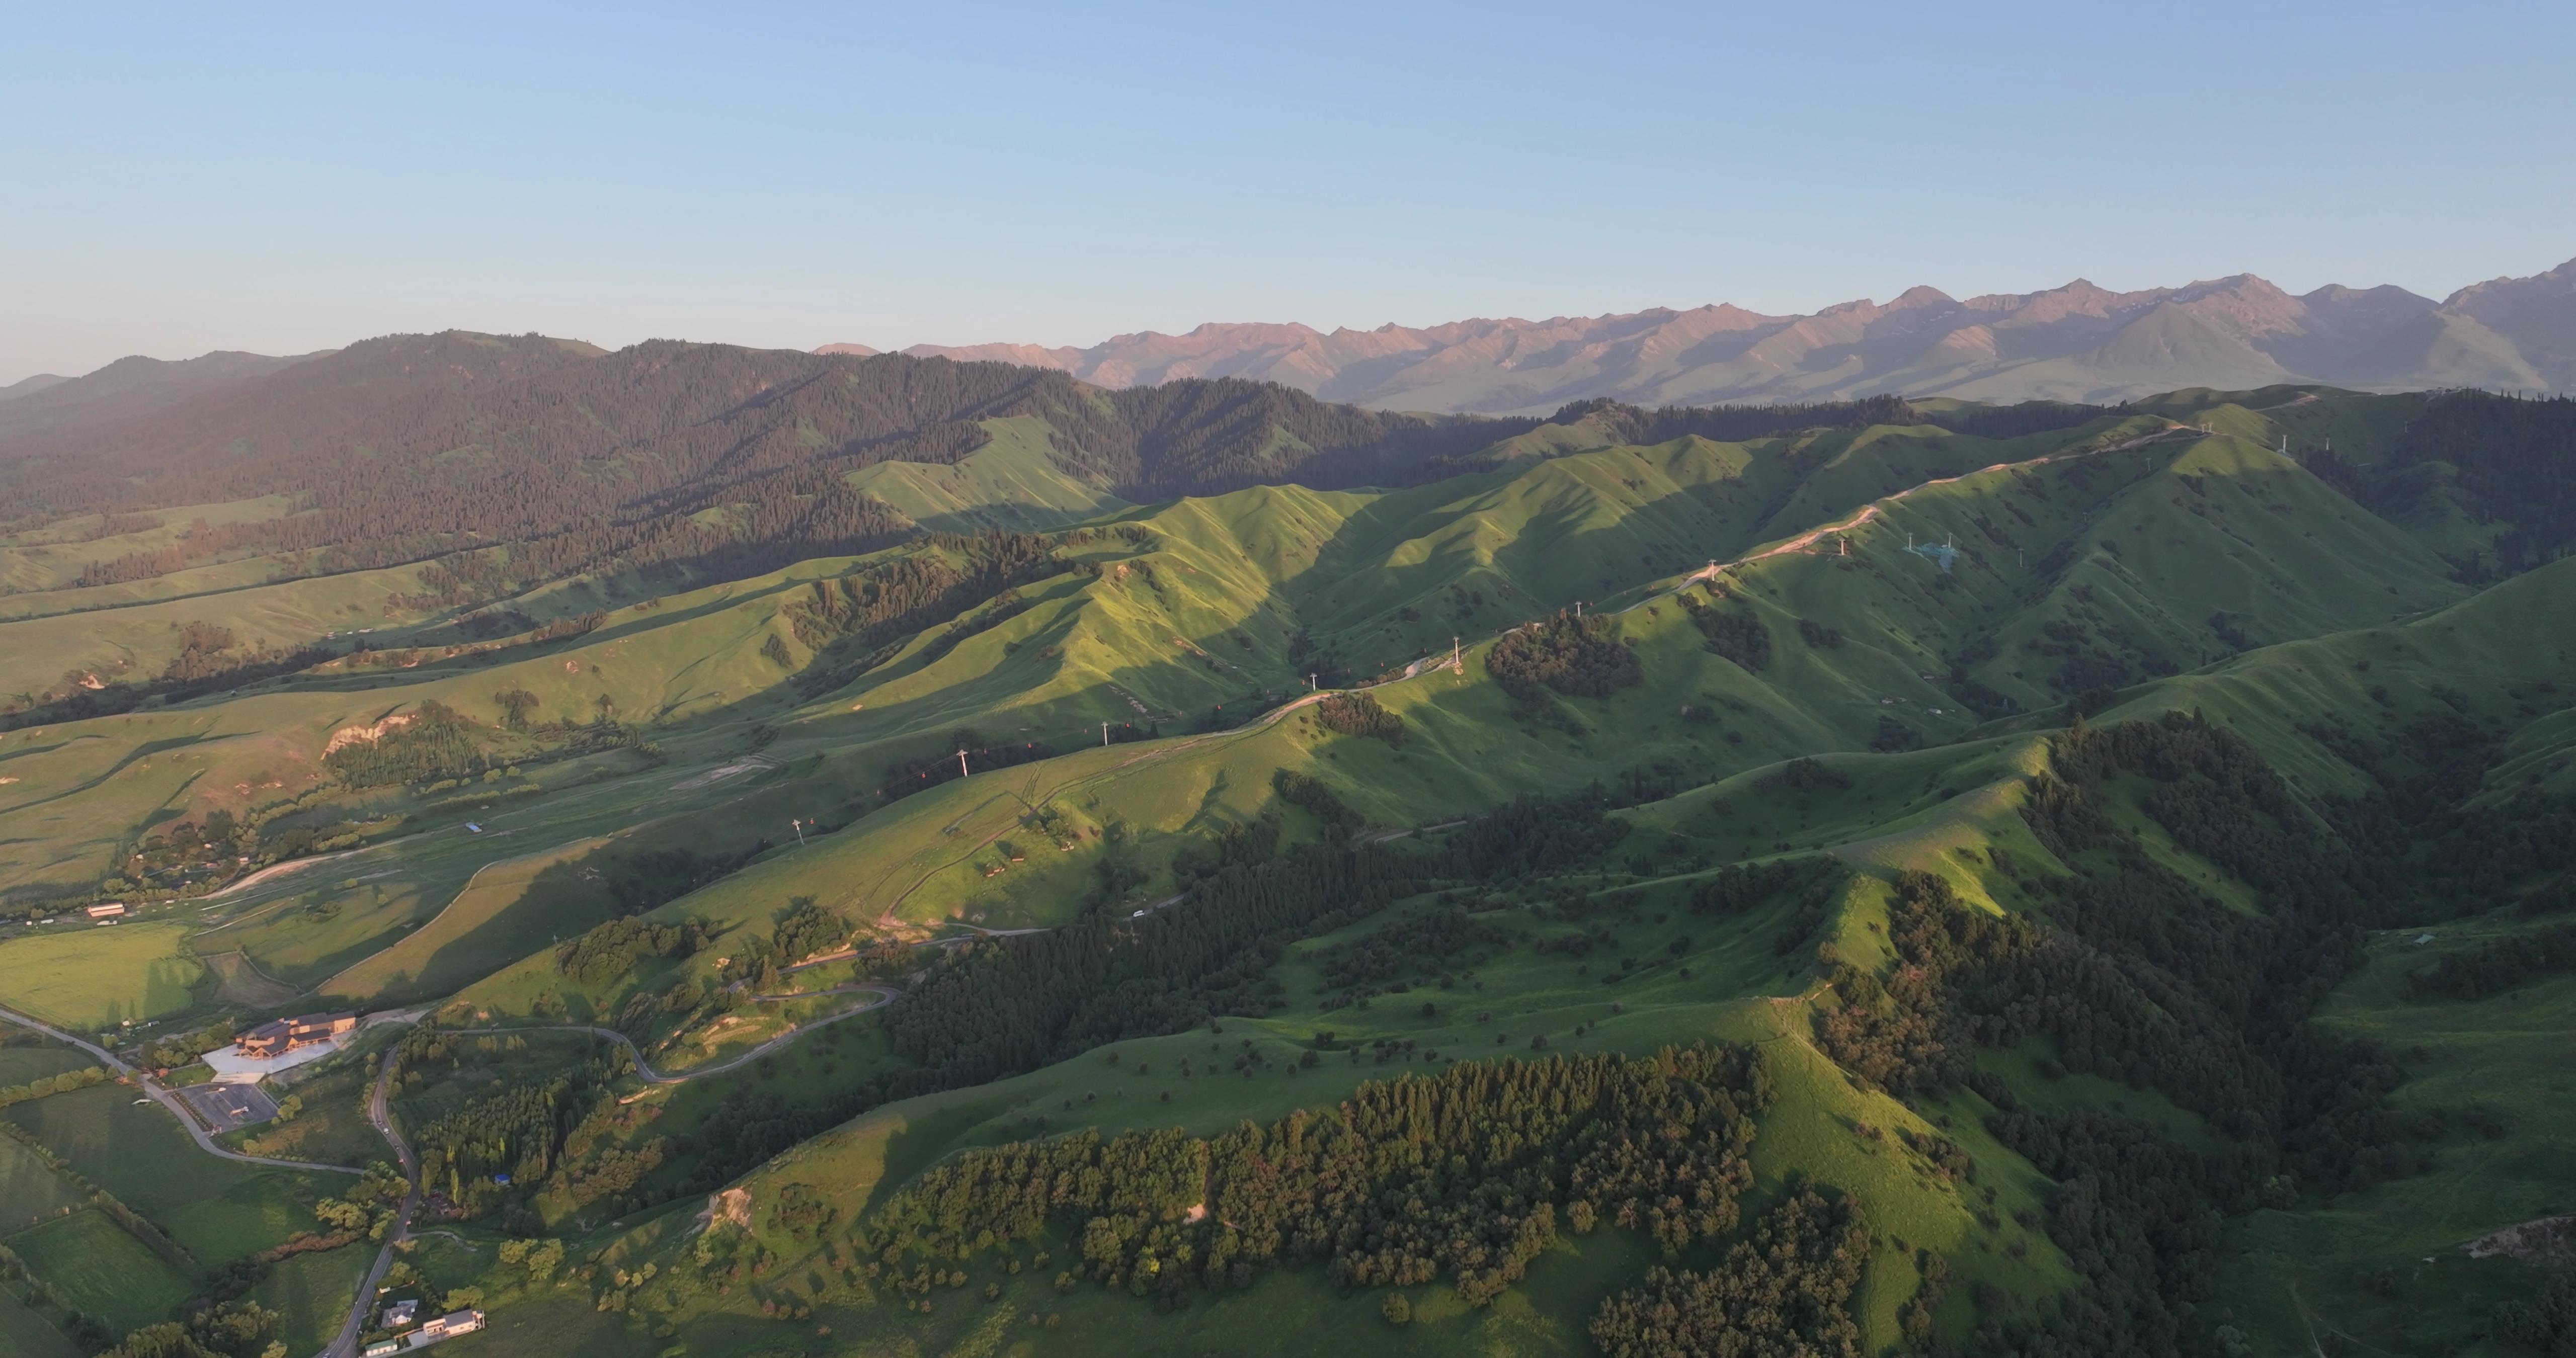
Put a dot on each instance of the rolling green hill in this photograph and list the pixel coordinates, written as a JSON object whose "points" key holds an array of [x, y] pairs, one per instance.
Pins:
{"points": [[2008, 818]]}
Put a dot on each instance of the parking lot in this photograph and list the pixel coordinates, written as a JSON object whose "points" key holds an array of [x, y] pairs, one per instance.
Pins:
{"points": [[227, 1106]]}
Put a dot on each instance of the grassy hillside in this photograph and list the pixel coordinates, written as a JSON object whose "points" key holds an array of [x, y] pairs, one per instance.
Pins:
{"points": [[1856, 649]]}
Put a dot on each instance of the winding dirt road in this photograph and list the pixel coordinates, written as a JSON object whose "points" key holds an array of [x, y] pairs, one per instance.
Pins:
{"points": [[885, 995]]}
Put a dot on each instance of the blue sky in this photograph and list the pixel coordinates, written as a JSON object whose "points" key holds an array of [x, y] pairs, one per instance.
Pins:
{"points": [[283, 178]]}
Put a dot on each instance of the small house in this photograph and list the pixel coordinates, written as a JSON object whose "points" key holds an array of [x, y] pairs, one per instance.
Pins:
{"points": [[383, 1347], [454, 1323], [401, 1315]]}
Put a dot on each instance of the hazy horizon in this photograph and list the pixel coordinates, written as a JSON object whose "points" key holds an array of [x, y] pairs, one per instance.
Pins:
{"points": [[281, 183]]}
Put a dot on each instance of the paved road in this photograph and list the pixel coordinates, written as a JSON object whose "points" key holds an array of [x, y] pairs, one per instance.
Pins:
{"points": [[164, 1097], [379, 1113]]}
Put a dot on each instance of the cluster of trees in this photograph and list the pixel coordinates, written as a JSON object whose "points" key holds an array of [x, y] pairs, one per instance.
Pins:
{"points": [[807, 929], [63, 1083], [611, 949], [517, 1132], [1417, 946], [611, 462], [436, 741], [1530, 837], [2426, 843], [1205, 437], [1739, 887], [1803, 775], [1008, 1004], [948, 575], [2135, 974], [1358, 714], [1738, 636], [1570, 654], [1812, 885], [1461, 1175], [2495, 966], [1003, 1005], [2546, 1323], [2505, 456], [1782, 1292], [2014, 421], [232, 1329], [1895, 737], [1318, 799], [759, 964], [181, 1048]]}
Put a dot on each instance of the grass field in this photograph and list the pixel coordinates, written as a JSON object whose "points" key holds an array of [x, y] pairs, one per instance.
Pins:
{"points": [[18, 1065], [25, 1334], [483, 927], [311, 1292], [30, 1190], [2507, 1055], [238, 980], [89, 980], [219, 1210], [100, 1269]]}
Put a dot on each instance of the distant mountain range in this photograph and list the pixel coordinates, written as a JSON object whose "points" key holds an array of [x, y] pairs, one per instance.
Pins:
{"points": [[2074, 343]]}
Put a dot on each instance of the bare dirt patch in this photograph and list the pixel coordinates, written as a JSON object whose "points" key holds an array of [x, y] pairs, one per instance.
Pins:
{"points": [[2536, 1241]]}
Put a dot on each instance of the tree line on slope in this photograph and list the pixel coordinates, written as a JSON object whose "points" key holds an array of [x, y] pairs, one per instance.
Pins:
{"points": [[2132, 973], [665, 456], [1003, 1005], [1461, 1175], [2504, 459]]}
